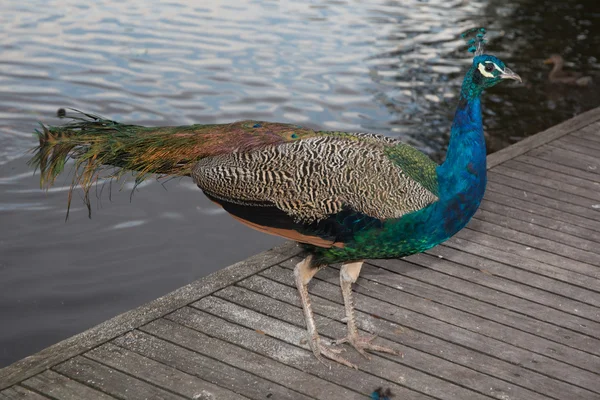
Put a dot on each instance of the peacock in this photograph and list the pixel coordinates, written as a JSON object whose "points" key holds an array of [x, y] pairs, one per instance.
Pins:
{"points": [[557, 75], [344, 197]]}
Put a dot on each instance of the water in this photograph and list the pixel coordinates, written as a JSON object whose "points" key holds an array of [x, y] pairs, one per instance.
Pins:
{"points": [[392, 67]]}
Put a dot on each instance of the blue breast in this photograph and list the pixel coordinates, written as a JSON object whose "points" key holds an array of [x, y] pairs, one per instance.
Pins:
{"points": [[461, 186]]}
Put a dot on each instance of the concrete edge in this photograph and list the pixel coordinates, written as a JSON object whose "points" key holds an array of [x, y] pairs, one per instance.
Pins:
{"points": [[541, 138], [129, 320]]}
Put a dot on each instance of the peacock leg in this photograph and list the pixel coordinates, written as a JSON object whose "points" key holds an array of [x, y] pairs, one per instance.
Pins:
{"points": [[348, 275], [303, 274]]}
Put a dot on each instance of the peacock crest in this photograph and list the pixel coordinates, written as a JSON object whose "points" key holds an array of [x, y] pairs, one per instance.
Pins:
{"points": [[476, 40]]}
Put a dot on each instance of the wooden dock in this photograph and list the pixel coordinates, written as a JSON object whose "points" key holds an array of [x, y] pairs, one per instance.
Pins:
{"points": [[508, 309]]}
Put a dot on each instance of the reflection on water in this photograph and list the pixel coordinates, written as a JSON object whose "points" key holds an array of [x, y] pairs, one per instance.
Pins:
{"points": [[392, 67]]}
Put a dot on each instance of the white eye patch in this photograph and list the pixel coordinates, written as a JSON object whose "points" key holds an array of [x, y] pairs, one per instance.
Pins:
{"points": [[481, 69]]}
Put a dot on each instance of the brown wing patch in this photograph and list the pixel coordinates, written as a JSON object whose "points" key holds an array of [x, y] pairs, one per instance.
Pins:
{"points": [[290, 234]]}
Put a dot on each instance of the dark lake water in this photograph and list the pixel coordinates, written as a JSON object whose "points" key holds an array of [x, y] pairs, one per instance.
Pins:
{"points": [[391, 67]]}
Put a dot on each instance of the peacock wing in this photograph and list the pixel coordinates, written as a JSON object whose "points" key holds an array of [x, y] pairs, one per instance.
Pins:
{"points": [[318, 190]]}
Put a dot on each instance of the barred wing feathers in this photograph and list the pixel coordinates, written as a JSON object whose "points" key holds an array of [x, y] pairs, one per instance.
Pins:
{"points": [[320, 190]]}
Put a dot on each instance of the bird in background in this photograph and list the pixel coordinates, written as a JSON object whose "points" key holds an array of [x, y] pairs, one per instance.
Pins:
{"points": [[557, 75], [344, 197]]}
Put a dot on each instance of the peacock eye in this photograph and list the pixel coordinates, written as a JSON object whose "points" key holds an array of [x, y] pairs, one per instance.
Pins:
{"points": [[489, 67]]}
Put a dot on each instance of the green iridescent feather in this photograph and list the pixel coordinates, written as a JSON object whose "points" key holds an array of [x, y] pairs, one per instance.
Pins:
{"points": [[98, 145]]}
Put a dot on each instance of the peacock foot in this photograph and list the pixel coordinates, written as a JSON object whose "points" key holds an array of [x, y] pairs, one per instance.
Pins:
{"points": [[322, 350], [363, 343]]}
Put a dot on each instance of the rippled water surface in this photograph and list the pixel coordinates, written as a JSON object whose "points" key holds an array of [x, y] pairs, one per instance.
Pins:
{"points": [[392, 67]]}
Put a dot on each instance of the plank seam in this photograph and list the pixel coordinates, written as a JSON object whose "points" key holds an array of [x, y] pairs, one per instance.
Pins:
{"points": [[573, 154], [36, 391], [482, 219], [582, 211], [533, 170], [233, 366], [567, 213], [574, 147], [547, 262], [488, 303], [170, 366], [291, 344], [99, 389], [493, 304], [331, 339], [530, 245], [472, 331], [533, 221], [522, 269], [574, 124], [427, 334], [137, 378], [24, 383], [554, 181], [477, 333], [527, 158]]}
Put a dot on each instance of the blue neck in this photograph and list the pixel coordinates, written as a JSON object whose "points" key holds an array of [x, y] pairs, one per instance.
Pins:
{"points": [[464, 170]]}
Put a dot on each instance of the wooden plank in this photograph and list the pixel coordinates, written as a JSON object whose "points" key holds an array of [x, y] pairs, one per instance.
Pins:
{"points": [[380, 366], [589, 133], [463, 329], [537, 230], [159, 374], [583, 140], [584, 196], [584, 213], [564, 226], [431, 364], [473, 322], [531, 253], [576, 182], [591, 160], [592, 129], [514, 312], [587, 283], [120, 324], [405, 334], [544, 137], [566, 158], [571, 145], [60, 387], [560, 197], [527, 240], [20, 393], [580, 302], [289, 356], [228, 369], [485, 293], [111, 381], [563, 169]]}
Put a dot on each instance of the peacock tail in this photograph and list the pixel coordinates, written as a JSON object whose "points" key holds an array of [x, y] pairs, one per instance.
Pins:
{"points": [[98, 145]]}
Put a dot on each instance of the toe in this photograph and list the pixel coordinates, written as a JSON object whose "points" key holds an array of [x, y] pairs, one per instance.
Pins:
{"points": [[333, 354]]}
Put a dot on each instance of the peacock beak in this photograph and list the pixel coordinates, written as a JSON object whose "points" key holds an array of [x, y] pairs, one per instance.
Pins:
{"points": [[548, 61], [508, 74]]}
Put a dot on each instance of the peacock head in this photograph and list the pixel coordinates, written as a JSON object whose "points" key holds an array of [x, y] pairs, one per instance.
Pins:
{"points": [[489, 70], [486, 71]]}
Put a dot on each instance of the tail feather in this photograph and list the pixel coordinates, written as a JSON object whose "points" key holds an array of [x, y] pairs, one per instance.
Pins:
{"points": [[96, 144]]}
